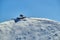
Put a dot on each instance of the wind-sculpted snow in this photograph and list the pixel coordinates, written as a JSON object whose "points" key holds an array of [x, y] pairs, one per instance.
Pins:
{"points": [[30, 29]]}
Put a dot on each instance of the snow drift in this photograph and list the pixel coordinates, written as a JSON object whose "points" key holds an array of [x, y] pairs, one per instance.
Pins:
{"points": [[30, 29]]}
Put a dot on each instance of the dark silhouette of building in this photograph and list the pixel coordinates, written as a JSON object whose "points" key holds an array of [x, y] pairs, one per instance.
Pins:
{"points": [[19, 18]]}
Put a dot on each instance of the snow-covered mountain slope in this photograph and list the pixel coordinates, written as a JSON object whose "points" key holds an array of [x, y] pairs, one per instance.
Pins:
{"points": [[30, 29]]}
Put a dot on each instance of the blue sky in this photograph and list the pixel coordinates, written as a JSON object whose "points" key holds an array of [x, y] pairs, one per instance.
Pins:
{"points": [[30, 8]]}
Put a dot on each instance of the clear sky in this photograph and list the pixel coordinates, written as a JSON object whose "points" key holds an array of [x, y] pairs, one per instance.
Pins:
{"points": [[30, 8]]}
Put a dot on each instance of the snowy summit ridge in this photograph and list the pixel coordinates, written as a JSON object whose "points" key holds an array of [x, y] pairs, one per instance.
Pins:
{"points": [[30, 29]]}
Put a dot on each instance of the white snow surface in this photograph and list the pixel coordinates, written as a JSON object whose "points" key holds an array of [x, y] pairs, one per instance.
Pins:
{"points": [[30, 29]]}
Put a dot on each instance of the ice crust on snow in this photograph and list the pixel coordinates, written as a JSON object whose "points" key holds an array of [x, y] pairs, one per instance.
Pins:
{"points": [[30, 29]]}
